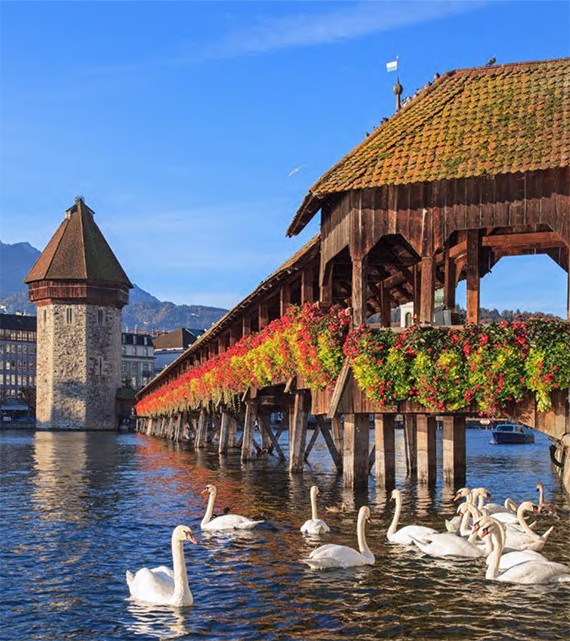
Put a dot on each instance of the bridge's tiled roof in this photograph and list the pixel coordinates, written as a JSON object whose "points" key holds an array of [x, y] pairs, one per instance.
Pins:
{"points": [[487, 120], [78, 251]]}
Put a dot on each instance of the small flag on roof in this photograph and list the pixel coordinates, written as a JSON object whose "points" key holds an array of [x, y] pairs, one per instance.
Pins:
{"points": [[392, 66]]}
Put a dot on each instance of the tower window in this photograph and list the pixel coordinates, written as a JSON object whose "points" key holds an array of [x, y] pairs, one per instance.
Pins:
{"points": [[69, 315], [100, 317]]}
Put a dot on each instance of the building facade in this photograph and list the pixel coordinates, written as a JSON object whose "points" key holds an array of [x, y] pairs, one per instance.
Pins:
{"points": [[17, 364], [79, 289], [169, 346], [137, 360]]}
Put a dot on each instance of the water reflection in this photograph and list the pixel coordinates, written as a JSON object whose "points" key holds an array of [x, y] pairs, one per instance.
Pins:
{"points": [[158, 622]]}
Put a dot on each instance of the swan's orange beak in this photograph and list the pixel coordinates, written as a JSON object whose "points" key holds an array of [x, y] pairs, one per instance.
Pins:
{"points": [[206, 489], [484, 532], [190, 537]]}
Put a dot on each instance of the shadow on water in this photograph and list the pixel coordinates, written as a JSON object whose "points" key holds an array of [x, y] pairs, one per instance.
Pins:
{"points": [[79, 509]]}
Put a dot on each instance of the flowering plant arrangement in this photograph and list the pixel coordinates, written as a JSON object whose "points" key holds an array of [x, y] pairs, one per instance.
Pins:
{"points": [[448, 369], [306, 342]]}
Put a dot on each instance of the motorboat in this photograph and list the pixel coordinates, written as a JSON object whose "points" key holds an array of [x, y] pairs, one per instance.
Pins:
{"points": [[511, 433]]}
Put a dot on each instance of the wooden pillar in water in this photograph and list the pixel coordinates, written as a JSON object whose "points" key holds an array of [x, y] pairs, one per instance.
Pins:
{"points": [[201, 429], [263, 419], [426, 426], [385, 453], [248, 429], [355, 459], [298, 431], [224, 432], [454, 452], [232, 432], [338, 437], [410, 432]]}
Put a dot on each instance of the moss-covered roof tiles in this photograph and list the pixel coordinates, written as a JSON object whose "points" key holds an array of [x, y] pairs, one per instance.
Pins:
{"points": [[78, 251], [487, 120]]}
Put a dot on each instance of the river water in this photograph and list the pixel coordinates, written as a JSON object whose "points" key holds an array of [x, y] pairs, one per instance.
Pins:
{"points": [[79, 509]]}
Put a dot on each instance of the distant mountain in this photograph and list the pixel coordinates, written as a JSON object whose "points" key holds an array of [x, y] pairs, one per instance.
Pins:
{"points": [[145, 312]]}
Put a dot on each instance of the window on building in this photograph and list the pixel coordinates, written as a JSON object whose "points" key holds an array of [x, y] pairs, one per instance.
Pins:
{"points": [[69, 315], [100, 316]]}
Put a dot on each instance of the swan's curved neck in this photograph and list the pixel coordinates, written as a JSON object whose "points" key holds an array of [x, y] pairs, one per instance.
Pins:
{"points": [[520, 516], [495, 558], [209, 509], [396, 517], [314, 515], [361, 534], [181, 588]]}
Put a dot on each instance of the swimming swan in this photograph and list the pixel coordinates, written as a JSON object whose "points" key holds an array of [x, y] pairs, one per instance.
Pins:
{"points": [[332, 555], [404, 535], [526, 573], [508, 559], [226, 521], [161, 585], [314, 525]]}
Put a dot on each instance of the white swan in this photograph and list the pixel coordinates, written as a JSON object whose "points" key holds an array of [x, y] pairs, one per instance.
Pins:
{"points": [[447, 544], [314, 525], [520, 536], [543, 506], [226, 521], [332, 555], [525, 573], [161, 585], [508, 559], [404, 535]]}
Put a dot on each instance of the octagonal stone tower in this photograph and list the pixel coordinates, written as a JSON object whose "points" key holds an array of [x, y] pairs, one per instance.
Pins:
{"points": [[79, 289]]}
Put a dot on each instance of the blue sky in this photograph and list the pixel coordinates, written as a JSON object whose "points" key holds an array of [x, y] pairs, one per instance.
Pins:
{"points": [[181, 123]]}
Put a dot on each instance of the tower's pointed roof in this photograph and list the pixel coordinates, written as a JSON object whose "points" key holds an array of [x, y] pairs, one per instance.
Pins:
{"points": [[78, 251]]}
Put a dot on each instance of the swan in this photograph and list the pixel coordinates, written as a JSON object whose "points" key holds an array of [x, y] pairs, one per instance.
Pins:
{"points": [[161, 585], [332, 555], [526, 573], [226, 521], [520, 536], [446, 544], [543, 507], [471, 496], [314, 525], [508, 559], [403, 535]]}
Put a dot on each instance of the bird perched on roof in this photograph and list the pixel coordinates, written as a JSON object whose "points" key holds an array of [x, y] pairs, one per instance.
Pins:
{"points": [[491, 62]]}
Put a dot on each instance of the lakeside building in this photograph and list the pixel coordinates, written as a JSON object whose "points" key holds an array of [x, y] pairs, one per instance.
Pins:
{"points": [[137, 359], [17, 364], [169, 346]]}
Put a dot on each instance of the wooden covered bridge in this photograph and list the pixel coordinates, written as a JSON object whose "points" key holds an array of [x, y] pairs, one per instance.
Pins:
{"points": [[475, 168]]}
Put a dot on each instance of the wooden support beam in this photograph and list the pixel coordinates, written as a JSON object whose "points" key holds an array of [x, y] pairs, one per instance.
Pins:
{"points": [[232, 432], [329, 440], [426, 426], [312, 442], [284, 298], [246, 325], [307, 288], [385, 307], [449, 282], [201, 430], [337, 433], [417, 299], [359, 286], [339, 388], [298, 431], [247, 447], [224, 432], [410, 436], [263, 315], [274, 440], [263, 423], [355, 455], [454, 452], [473, 281], [427, 304], [385, 460], [326, 283]]}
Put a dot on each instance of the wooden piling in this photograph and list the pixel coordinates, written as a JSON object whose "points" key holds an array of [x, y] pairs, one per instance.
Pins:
{"points": [[202, 429], [355, 459], [247, 450], [298, 431], [224, 432], [426, 439], [454, 451], [410, 432], [384, 440]]}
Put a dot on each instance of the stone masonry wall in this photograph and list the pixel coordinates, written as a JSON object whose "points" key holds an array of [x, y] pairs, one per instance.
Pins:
{"points": [[78, 366]]}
